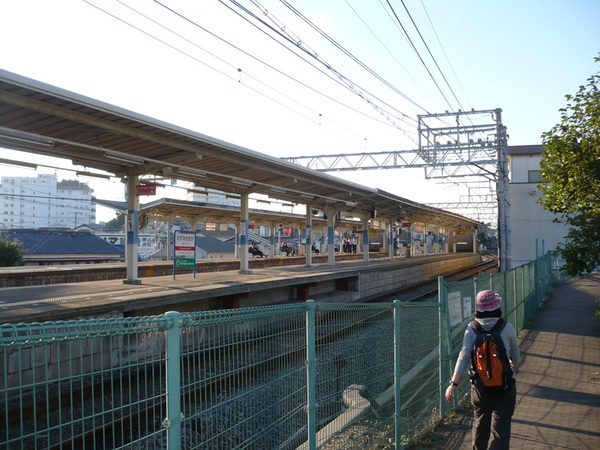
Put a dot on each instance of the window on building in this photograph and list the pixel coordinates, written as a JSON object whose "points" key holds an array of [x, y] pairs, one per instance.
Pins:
{"points": [[533, 176]]}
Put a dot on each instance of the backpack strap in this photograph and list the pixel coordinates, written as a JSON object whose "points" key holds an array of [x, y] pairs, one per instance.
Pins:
{"points": [[476, 326], [499, 326]]}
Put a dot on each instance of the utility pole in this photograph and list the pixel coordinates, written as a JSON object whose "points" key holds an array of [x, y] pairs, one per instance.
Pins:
{"points": [[478, 146], [502, 189]]}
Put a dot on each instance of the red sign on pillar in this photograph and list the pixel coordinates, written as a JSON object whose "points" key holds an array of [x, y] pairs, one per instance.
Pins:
{"points": [[146, 189]]}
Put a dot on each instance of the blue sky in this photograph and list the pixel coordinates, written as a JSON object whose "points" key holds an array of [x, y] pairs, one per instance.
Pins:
{"points": [[520, 56]]}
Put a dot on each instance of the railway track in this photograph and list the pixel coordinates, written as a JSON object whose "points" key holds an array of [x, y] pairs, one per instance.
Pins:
{"points": [[89, 436], [427, 289]]}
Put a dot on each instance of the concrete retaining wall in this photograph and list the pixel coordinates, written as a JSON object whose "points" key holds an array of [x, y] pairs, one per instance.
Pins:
{"points": [[79, 273]]}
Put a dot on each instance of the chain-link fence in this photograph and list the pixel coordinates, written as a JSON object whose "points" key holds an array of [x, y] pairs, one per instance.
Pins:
{"points": [[280, 377]]}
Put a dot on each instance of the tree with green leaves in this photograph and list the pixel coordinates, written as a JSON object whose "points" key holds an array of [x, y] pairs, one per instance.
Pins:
{"points": [[11, 252], [117, 221], [570, 174]]}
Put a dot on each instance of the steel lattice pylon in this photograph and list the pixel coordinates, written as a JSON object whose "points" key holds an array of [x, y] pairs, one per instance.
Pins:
{"points": [[451, 145]]}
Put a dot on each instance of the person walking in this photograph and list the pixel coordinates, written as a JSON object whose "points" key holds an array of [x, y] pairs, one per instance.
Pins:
{"points": [[492, 412]]}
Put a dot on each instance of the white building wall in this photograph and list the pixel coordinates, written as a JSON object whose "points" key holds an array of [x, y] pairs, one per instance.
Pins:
{"points": [[41, 201], [27, 202], [76, 207], [529, 221], [521, 165]]}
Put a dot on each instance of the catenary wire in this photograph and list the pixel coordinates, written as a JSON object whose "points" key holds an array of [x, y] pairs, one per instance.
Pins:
{"points": [[274, 69], [418, 54], [350, 55], [382, 43], [348, 83], [430, 54], [211, 67], [443, 50]]}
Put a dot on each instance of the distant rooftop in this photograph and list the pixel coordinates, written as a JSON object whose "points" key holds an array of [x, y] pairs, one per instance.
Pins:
{"points": [[212, 245], [38, 242], [526, 149]]}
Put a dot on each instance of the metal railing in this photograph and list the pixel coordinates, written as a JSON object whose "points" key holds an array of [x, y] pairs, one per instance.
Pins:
{"points": [[287, 376]]}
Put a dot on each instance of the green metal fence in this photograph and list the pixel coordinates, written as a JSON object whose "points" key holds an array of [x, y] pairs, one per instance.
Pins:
{"points": [[288, 376], [522, 289]]}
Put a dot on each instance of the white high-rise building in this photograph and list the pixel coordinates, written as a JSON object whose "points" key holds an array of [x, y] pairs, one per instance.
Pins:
{"points": [[43, 201]]}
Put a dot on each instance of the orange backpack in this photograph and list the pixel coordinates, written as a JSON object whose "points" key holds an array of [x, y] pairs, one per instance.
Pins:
{"points": [[490, 367]]}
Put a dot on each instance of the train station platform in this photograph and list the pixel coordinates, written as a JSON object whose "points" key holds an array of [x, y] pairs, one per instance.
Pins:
{"points": [[558, 384], [348, 281]]}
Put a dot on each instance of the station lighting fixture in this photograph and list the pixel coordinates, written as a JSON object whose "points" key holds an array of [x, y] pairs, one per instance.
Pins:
{"points": [[241, 182], [18, 163], [12, 137], [278, 189], [125, 158], [93, 175], [191, 171]]}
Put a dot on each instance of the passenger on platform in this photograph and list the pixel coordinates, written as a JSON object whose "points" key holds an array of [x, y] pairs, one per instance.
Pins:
{"points": [[353, 243], [255, 251], [346, 245], [314, 248], [492, 411], [285, 248]]}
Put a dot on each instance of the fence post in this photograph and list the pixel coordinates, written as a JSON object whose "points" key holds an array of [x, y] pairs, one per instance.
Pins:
{"points": [[311, 375], [443, 342], [172, 422], [517, 300], [397, 374], [536, 269], [525, 269]]}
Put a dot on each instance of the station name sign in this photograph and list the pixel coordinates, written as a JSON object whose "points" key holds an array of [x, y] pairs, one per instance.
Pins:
{"points": [[185, 251], [146, 189]]}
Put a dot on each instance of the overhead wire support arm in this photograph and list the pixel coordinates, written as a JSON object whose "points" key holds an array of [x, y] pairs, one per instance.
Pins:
{"points": [[396, 159], [445, 152]]}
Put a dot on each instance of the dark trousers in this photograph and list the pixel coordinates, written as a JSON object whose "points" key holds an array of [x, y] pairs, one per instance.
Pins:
{"points": [[492, 417]]}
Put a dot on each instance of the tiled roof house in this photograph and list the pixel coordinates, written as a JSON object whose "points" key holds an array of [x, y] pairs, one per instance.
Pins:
{"points": [[42, 247], [211, 248]]}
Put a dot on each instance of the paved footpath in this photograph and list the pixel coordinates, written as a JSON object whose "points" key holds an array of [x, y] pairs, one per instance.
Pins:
{"points": [[558, 384]]}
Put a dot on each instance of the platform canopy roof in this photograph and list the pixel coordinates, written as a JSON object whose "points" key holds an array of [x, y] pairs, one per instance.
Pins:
{"points": [[166, 209], [43, 119]]}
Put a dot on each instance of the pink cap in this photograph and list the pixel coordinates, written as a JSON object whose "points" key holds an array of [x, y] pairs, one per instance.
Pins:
{"points": [[488, 301]]}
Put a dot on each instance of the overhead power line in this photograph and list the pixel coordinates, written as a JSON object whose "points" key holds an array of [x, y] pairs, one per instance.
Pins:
{"points": [[271, 67], [418, 54], [350, 55], [430, 54], [348, 83], [237, 69], [444, 51]]}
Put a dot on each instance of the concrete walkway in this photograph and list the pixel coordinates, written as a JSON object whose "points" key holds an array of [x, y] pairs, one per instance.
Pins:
{"points": [[558, 405], [558, 384]]}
